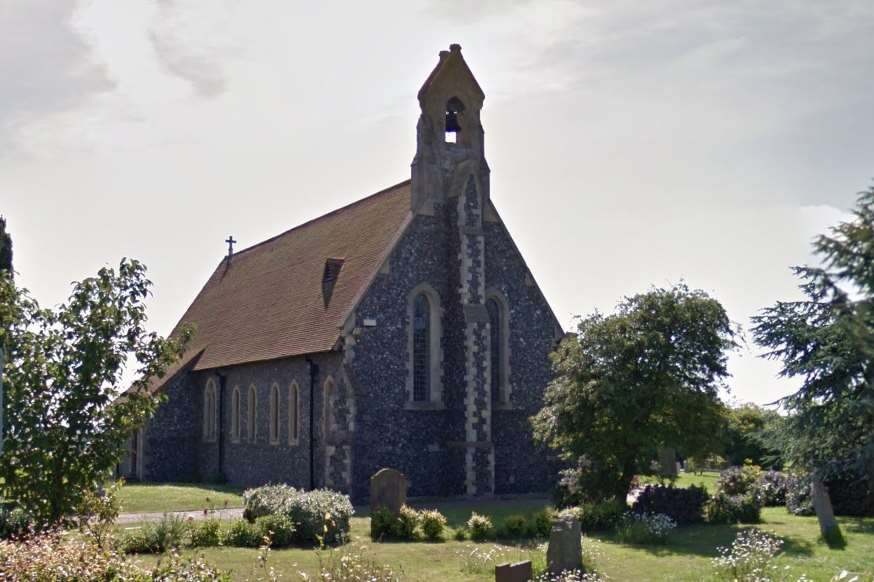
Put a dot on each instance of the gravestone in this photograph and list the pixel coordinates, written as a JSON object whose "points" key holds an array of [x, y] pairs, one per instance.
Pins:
{"points": [[388, 488], [822, 504], [521, 572], [668, 462], [565, 550]]}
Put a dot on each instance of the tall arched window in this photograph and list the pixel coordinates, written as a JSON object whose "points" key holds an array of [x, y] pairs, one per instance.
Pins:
{"points": [[236, 414], [293, 414], [496, 347], [252, 414], [274, 414], [421, 348], [209, 411], [328, 416]]}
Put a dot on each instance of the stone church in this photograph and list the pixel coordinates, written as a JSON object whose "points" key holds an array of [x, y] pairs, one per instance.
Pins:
{"points": [[404, 330]]}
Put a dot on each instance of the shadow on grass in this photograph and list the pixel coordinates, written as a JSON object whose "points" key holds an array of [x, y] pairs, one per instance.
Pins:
{"points": [[860, 525]]}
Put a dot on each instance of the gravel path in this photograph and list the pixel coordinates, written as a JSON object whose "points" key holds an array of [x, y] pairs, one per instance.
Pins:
{"points": [[197, 515]]}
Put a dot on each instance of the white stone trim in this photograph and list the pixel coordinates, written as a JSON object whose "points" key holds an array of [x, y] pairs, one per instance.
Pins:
{"points": [[210, 411], [505, 390], [273, 410], [252, 414], [236, 414], [294, 411]]}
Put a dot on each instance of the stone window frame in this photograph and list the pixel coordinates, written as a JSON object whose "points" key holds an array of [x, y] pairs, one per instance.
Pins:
{"points": [[210, 411], [236, 414], [435, 400], [273, 430], [294, 414], [252, 414], [329, 420], [505, 389]]}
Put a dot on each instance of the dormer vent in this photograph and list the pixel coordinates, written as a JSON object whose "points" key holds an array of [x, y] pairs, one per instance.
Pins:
{"points": [[329, 278]]}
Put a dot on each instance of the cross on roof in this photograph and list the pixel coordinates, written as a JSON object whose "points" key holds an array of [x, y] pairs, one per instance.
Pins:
{"points": [[230, 240]]}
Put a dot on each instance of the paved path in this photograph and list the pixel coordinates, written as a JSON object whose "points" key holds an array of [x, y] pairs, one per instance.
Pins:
{"points": [[157, 516]]}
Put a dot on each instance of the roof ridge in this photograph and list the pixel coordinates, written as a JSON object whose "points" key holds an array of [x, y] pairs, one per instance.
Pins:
{"points": [[318, 218]]}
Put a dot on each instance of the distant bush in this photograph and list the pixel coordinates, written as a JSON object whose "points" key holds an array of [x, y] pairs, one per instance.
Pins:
{"points": [[242, 534], [598, 516], [644, 528], [459, 535], [205, 534], [433, 522], [540, 524], [724, 508], [798, 500], [480, 527], [320, 515], [772, 488], [14, 522], [684, 506], [739, 480], [850, 493], [514, 527], [279, 529], [170, 532], [384, 525]]}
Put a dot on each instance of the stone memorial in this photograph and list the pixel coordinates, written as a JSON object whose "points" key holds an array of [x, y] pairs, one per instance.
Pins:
{"points": [[565, 549], [521, 572], [388, 489]]}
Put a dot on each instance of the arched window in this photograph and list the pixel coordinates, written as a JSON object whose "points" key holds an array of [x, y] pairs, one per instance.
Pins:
{"points": [[209, 411], [328, 416], [236, 414], [293, 414], [274, 414], [454, 111], [421, 348], [252, 413]]}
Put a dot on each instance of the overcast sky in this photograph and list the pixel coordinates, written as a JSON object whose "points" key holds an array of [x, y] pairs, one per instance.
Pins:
{"points": [[630, 146]]}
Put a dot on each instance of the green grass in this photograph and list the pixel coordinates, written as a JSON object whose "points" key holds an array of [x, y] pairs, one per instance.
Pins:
{"points": [[706, 478], [686, 557], [158, 497]]}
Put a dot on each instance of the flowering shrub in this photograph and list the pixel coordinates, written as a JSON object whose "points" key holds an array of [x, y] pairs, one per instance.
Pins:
{"points": [[571, 576], [384, 525], [480, 527], [644, 528], [279, 529], [772, 488], [14, 522], [739, 480], [798, 500], [748, 559], [724, 508], [318, 514], [684, 506], [540, 524], [432, 522], [478, 559]]}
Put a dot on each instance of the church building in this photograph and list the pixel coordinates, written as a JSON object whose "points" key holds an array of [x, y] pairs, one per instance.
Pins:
{"points": [[404, 330]]}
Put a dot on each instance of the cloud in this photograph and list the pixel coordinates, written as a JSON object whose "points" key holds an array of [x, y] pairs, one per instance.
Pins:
{"points": [[46, 63], [185, 45]]}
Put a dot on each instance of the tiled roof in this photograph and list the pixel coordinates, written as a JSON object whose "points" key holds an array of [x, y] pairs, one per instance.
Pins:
{"points": [[267, 302]]}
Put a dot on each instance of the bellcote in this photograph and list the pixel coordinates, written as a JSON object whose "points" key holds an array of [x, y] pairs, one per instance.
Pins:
{"points": [[449, 133]]}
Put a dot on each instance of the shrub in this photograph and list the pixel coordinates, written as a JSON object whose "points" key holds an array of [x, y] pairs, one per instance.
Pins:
{"points": [[738, 480], [748, 559], [723, 508], [684, 506], [850, 493], [432, 522], [644, 528], [772, 488], [384, 525], [205, 534], [598, 516], [157, 537], [279, 529], [14, 522], [320, 515], [194, 569], [540, 524], [798, 500], [242, 534], [480, 527], [514, 527]]}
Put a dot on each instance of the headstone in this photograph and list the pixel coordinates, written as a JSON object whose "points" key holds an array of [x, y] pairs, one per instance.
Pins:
{"points": [[388, 488], [668, 462], [822, 504], [521, 572], [565, 551]]}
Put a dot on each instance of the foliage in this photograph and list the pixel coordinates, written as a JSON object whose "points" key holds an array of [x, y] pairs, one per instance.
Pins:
{"points": [[192, 569], [745, 436], [278, 528], [14, 522], [644, 528], [798, 499], [352, 566], [320, 514], [739, 480], [97, 513], [540, 524], [170, 532], [643, 378], [5, 247], [684, 506], [772, 488], [599, 516], [242, 533], [433, 522], [205, 533], [725, 508], [712, 462], [851, 492], [480, 527], [749, 557], [66, 426], [384, 525], [513, 527], [827, 340]]}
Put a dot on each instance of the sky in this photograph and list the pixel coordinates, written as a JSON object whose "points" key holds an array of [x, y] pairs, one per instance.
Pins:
{"points": [[631, 144]]}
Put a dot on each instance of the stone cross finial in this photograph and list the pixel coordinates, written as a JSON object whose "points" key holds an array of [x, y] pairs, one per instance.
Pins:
{"points": [[230, 240]]}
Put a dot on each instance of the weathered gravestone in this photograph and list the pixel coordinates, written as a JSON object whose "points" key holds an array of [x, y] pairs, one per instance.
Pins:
{"points": [[564, 551], [668, 462], [388, 489], [521, 572], [822, 504]]}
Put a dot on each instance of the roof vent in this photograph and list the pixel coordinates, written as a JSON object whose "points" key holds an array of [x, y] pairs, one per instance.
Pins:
{"points": [[329, 278]]}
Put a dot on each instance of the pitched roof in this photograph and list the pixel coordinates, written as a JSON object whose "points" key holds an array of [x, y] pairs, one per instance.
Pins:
{"points": [[267, 302]]}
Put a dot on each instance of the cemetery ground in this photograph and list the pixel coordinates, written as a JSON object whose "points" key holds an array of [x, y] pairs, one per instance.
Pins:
{"points": [[686, 556]]}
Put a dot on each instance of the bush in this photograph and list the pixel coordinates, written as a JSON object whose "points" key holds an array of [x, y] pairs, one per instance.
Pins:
{"points": [[644, 528], [850, 494], [684, 506], [320, 515], [205, 534], [432, 522], [514, 527], [384, 525], [14, 522], [242, 534], [723, 508], [157, 537], [772, 488], [598, 516], [480, 527], [739, 480], [459, 535], [540, 524], [798, 500], [749, 556], [279, 529]]}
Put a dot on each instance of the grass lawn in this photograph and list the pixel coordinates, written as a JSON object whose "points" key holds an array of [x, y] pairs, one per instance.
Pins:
{"points": [[686, 557], [157, 497]]}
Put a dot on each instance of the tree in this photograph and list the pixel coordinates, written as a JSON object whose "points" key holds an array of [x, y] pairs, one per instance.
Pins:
{"points": [[745, 436], [67, 417], [643, 378], [5, 267], [827, 341]]}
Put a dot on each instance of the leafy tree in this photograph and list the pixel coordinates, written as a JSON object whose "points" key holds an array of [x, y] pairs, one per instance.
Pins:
{"points": [[643, 378], [5, 247], [745, 436], [67, 417]]}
